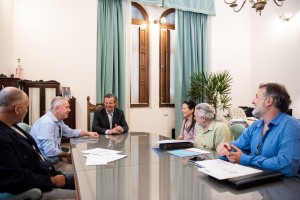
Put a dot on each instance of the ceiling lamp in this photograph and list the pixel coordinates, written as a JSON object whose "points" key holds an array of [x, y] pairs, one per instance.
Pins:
{"points": [[257, 4]]}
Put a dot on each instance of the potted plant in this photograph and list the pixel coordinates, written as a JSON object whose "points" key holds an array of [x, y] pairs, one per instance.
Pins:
{"points": [[213, 88]]}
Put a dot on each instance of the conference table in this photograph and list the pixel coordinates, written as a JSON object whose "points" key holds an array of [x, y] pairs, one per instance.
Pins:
{"points": [[150, 173]]}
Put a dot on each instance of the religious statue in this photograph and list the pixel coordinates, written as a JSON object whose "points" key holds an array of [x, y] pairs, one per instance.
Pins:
{"points": [[19, 69]]}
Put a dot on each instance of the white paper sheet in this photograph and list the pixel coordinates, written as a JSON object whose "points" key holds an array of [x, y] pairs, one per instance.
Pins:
{"points": [[99, 156], [113, 157], [93, 159], [100, 151], [221, 169]]}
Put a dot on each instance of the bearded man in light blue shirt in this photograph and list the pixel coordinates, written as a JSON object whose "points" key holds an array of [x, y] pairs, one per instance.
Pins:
{"points": [[273, 142], [49, 129]]}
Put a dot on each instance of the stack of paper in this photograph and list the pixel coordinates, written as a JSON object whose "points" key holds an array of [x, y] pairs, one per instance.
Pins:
{"points": [[188, 152], [99, 156]]}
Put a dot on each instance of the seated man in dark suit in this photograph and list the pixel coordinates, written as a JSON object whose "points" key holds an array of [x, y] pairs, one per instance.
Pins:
{"points": [[109, 120], [22, 166]]}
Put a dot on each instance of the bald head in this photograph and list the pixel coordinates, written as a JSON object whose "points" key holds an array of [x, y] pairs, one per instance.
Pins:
{"points": [[11, 96], [13, 105]]}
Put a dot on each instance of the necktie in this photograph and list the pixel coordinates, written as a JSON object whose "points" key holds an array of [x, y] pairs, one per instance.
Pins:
{"points": [[110, 120], [59, 135]]}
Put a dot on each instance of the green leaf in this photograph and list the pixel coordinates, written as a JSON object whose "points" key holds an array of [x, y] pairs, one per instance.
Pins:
{"points": [[215, 88]]}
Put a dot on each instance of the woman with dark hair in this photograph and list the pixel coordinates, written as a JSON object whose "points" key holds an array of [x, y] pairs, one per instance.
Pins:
{"points": [[188, 125]]}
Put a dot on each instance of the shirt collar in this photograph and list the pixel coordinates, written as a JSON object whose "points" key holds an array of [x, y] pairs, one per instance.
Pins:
{"points": [[52, 116], [277, 118], [211, 125], [275, 121], [109, 112]]}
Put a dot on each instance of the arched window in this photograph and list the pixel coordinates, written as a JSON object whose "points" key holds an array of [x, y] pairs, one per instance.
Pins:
{"points": [[167, 57], [139, 95]]}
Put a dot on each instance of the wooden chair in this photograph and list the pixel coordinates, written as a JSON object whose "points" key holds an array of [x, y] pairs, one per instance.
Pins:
{"points": [[239, 113], [91, 108]]}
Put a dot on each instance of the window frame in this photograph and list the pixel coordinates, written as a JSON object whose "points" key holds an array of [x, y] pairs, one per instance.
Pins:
{"points": [[163, 86], [145, 68]]}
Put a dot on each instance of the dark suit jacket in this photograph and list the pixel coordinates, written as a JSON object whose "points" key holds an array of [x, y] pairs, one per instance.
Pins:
{"points": [[20, 166], [101, 122]]}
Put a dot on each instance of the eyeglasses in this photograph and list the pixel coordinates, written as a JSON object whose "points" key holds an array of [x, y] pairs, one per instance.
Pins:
{"points": [[257, 149]]}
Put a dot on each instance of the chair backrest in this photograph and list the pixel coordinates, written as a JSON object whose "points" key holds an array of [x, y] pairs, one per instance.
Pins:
{"points": [[34, 193], [237, 130], [25, 127], [237, 113], [91, 108]]}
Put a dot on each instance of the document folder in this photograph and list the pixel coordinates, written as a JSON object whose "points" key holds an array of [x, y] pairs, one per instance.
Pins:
{"points": [[265, 176], [177, 145]]}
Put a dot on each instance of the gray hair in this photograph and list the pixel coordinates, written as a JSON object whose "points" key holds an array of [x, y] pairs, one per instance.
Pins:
{"points": [[11, 95], [205, 110], [279, 93], [57, 101]]}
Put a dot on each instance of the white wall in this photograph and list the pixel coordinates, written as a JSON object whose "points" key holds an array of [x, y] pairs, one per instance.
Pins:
{"points": [[276, 49], [230, 48], [56, 40], [6, 36]]}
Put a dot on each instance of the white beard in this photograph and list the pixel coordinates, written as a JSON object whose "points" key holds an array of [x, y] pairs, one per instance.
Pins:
{"points": [[259, 110]]}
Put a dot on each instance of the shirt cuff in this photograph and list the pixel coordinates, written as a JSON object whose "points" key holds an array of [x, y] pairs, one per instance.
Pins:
{"points": [[245, 159], [107, 132]]}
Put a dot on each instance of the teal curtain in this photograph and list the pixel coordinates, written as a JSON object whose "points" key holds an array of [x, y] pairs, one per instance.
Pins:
{"points": [[198, 6], [191, 55], [110, 67]]}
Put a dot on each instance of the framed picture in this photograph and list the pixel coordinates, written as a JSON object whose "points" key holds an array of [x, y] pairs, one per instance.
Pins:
{"points": [[66, 92]]}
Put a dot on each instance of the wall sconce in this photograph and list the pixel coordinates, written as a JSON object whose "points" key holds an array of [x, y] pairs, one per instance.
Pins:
{"points": [[155, 21], [158, 20], [286, 16]]}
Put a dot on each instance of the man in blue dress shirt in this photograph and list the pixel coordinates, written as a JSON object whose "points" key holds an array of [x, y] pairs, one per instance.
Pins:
{"points": [[49, 129], [273, 142]]}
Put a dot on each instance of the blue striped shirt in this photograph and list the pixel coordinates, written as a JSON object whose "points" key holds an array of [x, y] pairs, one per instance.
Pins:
{"points": [[48, 131]]}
